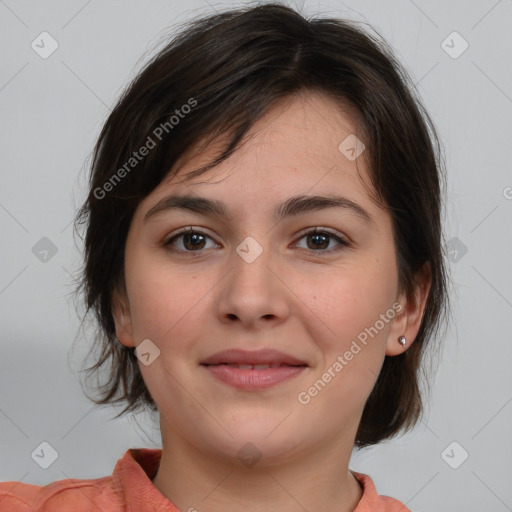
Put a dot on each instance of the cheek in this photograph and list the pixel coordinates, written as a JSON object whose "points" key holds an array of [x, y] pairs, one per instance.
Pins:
{"points": [[166, 301], [168, 307], [352, 338], [350, 304]]}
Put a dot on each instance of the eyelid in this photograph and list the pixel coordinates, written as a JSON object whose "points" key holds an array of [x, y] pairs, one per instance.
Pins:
{"points": [[322, 229], [185, 230]]}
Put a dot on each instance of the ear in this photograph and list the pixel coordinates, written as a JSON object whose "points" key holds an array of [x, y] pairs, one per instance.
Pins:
{"points": [[407, 321], [122, 319]]}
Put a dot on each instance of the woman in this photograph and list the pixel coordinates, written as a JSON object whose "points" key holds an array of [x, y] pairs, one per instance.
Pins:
{"points": [[263, 256]]}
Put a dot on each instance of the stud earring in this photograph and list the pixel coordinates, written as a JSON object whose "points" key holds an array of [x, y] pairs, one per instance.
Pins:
{"points": [[402, 340]]}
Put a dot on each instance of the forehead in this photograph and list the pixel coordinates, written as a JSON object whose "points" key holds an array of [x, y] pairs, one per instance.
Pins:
{"points": [[298, 147], [308, 122]]}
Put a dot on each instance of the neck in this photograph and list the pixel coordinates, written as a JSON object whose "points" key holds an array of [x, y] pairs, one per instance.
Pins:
{"points": [[195, 481]]}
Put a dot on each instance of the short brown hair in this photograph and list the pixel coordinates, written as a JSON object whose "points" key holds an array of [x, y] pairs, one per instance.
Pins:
{"points": [[234, 65]]}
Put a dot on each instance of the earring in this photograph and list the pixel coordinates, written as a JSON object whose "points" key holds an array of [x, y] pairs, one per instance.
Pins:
{"points": [[402, 340]]}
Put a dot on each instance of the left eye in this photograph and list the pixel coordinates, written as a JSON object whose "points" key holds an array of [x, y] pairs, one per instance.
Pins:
{"points": [[321, 239], [194, 240]]}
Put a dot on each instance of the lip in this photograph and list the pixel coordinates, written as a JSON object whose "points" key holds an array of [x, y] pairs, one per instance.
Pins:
{"points": [[264, 356], [222, 366]]}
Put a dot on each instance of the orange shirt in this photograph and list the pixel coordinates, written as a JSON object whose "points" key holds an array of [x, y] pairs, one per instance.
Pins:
{"points": [[130, 489]]}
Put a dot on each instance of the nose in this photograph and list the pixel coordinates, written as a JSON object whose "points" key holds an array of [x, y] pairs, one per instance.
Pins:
{"points": [[253, 293]]}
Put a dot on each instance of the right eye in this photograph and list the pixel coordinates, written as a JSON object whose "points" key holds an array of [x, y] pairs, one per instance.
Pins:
{"points": [[192, 240]]}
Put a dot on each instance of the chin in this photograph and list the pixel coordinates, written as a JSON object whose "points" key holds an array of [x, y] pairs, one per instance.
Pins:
{"points": [[268, 441]]}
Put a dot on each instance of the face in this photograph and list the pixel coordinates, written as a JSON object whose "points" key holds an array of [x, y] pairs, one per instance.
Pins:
{"points": [[251, 281]]}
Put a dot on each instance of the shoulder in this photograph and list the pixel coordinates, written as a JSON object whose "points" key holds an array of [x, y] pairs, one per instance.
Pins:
{"points": [[371, 501], [129, 485], [62, 495]]}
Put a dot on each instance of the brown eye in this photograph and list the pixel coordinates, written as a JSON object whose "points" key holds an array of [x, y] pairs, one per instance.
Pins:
{"points": [[319, 241], [194, 240], [191, 240]]}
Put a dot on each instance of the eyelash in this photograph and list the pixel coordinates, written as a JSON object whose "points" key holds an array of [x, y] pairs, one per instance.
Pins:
{"points": [[318, 230]]}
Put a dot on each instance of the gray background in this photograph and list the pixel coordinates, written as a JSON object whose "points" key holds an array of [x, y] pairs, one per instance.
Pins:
{"points": [[52, 110]]}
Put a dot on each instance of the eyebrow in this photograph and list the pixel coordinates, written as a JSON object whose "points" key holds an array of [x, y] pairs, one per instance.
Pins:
{"points": [[295, 205]]}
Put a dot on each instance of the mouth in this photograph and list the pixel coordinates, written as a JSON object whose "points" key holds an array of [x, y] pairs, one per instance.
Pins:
{"points": [[242, 366], [257, 359], [253, 370]]}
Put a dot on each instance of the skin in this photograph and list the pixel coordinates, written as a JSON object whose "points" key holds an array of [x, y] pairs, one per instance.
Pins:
{"points": [[302, 300]]}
